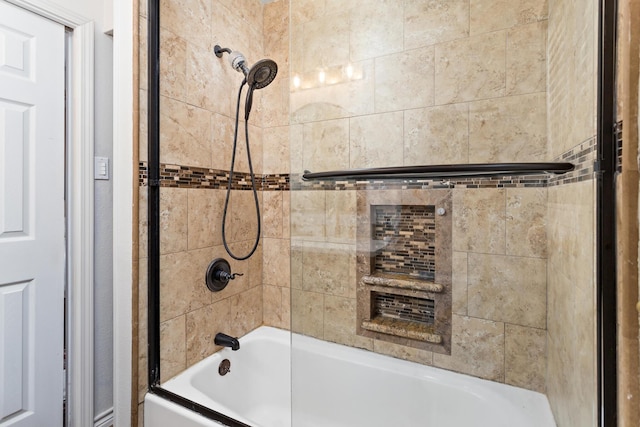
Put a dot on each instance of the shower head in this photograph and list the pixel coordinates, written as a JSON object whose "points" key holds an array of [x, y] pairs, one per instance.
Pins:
{"points": [[258, 76]]}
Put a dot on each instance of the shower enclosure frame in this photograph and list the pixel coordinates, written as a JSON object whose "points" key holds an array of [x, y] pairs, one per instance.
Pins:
{"points": [[605, 213]]}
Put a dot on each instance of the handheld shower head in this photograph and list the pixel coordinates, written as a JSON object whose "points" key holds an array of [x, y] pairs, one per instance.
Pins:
{"points": [[258, 76]]}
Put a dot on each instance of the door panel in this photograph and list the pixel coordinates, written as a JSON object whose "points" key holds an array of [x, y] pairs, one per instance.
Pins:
{"points": [[32, 221]]}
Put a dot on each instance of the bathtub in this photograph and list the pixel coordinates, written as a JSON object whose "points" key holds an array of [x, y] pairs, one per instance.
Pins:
{"points": [[321, 384]]}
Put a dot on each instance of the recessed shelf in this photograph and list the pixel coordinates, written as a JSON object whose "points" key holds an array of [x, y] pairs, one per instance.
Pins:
{"points": [[403, 328], [402, 282]]}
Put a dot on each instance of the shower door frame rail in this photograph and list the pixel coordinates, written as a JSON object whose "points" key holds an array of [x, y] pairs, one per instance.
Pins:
{"points": [[606, 261]]}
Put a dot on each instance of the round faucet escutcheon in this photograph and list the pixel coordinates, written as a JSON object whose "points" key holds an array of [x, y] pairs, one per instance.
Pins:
{"points": [[219, 274]]}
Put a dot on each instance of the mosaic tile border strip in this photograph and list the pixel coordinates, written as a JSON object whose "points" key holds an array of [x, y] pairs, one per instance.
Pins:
{"points": [[176, 176], [618, 131], [582, 156]]}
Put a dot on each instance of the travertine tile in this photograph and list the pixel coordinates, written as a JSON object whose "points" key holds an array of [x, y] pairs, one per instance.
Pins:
{"points": [[374, 140], [143, 133], [485, 18], [326, 145], [525, 357], [286, 214], [479, 220], [143, 222], [190, 19], [307, 215], [251, 12], [303, 11], [173, 220], [246, 312], [208, 84], [286, 308], [173, 65], [307, 313], [273, 101], [340, 322], [143, 60], [510, 129], [204, 217], [527, 59], [229, 28], [527, 222], [202, 326], [182, 287], [330, 269], [403, 352], [508, 289], [222, 141], [427, 22], [341, 216], [376, 29], [325, 102], [185, 134], [470, 69], [142, 327], [173, 353], [326, 42], [275, 145], [272, 214], [475, 340], [296, 264], [276, 262], [276, 33], [438, 135], [241, 221], [395, 77], [273, 312], [459, 283]]}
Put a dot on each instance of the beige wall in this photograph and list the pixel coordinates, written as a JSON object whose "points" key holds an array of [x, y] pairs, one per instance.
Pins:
{"points": [[571, 368], [432, 82]]}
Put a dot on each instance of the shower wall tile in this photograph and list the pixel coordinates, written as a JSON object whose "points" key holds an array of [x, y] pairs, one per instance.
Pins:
{"points": [[341, 100], [527, 59], [470, 69], [143, 226], [246, 312], [376, 29], [250, 11], [307, 313], [373, 140], [173, 65], [396, 76], [479, 220], [191, 19], [204, 217], [276, 263], [286, 215], [329, 269], [230, 28], [275, 145], [173, 352], [297, 249], [340, 322], [508, 289], [143, 133], [307, 215], [438, 135], [527, 222], [222, 141], [473, 340], [492, 15], [272, 214], [427, 22], [325, 42], [185, 134], [525, 357], [326, 145], [303, 11], [509, 129], [201, 328], [403, 352], [207, 81], [341, 217], [143, 70], [273, 102], [173, 220], [273, 310], [459, 283], [142, 328], [241, 216], [182, 287], [276, 34]]}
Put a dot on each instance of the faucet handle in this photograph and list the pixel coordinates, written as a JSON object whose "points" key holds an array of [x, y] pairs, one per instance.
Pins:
{"points": [[218, 274], [233, 276]]}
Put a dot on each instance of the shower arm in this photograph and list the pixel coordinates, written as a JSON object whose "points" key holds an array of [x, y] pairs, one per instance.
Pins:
{"points": [[220, 50]]}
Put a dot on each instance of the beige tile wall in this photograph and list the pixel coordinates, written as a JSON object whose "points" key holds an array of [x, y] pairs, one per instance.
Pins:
{"points": [[433, 82], [571, 337]]}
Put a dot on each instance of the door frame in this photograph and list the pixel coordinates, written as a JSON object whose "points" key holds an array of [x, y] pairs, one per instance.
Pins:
{"points": [[79, 205]]}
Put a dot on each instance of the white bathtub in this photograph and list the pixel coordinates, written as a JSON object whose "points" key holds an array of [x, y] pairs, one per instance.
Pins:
{"points": [[330, 385]]}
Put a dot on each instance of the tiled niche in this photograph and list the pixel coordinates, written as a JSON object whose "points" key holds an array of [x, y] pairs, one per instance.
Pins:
{"points": [[404, 268]]}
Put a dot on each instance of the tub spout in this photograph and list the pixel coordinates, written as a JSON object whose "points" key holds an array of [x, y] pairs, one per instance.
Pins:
{"points": [[227, 341]]}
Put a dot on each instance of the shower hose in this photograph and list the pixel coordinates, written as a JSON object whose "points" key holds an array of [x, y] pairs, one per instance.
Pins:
{"points": [[253, 180]]}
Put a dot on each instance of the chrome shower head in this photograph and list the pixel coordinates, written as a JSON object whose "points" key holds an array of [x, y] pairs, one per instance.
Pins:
{"points": [[258, 76]]}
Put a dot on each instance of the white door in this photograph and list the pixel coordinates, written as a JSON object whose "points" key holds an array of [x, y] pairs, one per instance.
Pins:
{"points": [[32, 224]]}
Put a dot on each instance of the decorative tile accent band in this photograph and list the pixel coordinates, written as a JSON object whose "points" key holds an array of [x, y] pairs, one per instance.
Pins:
{"points": [[195, 177], [407, 235], [582, 156]]}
